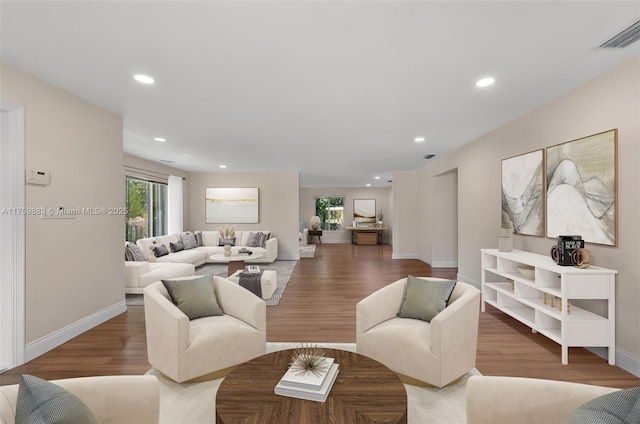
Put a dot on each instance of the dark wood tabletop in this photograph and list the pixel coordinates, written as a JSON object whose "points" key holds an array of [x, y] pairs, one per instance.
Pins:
{"points": [[365, 391]]}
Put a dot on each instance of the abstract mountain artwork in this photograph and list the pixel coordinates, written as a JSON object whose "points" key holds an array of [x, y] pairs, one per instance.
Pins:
{"points": [[581, 188], [522, 200]]}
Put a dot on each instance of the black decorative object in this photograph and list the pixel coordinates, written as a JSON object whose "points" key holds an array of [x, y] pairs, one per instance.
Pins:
{"points": [[566, 246]]}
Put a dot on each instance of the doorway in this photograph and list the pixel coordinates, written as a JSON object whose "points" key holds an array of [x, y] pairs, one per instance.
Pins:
{"points": [[12, 234], [445, 220]]}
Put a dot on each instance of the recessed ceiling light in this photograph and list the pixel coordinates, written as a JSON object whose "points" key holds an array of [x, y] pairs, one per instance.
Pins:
{"points": [[222, 166], [188, 155], [160, 139], [368, 185], [166, 161], [485, 82], [418, 139], [376, 178], [145, 79]]}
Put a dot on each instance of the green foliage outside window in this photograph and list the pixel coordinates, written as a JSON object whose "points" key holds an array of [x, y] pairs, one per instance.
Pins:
{"points": [[331, 213]]}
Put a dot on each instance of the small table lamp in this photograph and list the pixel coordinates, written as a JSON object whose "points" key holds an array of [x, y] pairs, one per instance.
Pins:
{"points": [[315, 221]]}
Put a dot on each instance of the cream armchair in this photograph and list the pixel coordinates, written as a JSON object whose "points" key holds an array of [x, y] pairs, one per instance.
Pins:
{"points": [[183, 349], [436, 352], [114, 399]]}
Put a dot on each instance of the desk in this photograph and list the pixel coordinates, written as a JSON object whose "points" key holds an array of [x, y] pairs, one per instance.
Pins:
{"points": [[366, 235], [364, 391]]}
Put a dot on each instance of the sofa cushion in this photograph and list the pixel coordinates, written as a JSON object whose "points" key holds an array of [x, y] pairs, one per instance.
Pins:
{"points": [[146, 245], [188, 239], [255, 239], [198, 235], [210, 238], [177, 246], [164, 270], [160, 250], [132, 252], [194, 296], [191, 256], [301, 226], [619, 407], [222, 241], [40, 401], [424, 299]]}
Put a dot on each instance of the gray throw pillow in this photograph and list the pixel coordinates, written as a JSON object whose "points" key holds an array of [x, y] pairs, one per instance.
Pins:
{"points": [[188, 239], [160, 250], [133, 251], [231, 241], [198, 235], [254, 239], [195, 297], [40, 401], [424, 299], [621, 407], [176, 247]]}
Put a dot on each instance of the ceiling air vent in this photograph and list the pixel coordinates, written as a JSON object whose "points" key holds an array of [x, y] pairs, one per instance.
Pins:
{"points": [[429, 156], [624, 38]]}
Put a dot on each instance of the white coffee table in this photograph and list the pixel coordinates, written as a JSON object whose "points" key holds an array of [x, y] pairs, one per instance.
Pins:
{"points": [[236, 261]]}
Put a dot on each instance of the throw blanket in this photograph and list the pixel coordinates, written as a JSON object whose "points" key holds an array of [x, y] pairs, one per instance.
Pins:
{"points": [[251, 282]]}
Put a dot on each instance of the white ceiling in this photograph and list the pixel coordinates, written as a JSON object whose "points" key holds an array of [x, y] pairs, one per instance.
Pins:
{"points": [[334, 90]]}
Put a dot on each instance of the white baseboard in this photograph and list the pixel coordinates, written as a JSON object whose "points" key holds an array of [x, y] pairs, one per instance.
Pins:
{"points": [[55, 339], [444, 264], [624, 360], [405, 256], [468, 280]]}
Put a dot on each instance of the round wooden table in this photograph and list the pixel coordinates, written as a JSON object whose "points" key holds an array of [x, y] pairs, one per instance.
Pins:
{"points": [[364, 391]]}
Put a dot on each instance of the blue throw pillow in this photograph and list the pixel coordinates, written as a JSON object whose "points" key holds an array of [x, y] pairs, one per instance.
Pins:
{"points": [[301, 226]]}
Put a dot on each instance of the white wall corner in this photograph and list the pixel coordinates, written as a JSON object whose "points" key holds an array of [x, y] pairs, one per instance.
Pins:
{"points": [[624, 360], [465, 279], [444, 264], [425, 260], [55, 339]]}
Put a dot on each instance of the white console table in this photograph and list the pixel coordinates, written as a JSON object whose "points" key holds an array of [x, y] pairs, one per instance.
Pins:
{"points": [[523, 298]]}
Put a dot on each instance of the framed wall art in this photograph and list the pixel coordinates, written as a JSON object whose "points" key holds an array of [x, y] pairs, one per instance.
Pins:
{"points": [[522, 193], [364, 211], [582, 188], [231, 205]]}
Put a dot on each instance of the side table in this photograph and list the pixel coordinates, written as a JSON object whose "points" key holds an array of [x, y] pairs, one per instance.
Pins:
{"points": [[315, 233]]}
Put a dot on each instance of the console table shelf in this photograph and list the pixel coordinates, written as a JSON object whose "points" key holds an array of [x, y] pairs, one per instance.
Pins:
{"points": [[544, 302]]}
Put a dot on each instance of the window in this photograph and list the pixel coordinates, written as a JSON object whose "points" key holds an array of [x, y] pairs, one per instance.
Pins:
{"points": [[146, 209], [331, 213]]}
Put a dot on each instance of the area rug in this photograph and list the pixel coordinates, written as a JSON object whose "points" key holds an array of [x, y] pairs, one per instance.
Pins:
{"points": [[307, 251], [283, 270], [134, 299], [195, 402]]}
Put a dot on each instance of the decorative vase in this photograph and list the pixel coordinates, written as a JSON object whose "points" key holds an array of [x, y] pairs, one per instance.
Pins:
{"points": [[227, 250], [314, 227]]}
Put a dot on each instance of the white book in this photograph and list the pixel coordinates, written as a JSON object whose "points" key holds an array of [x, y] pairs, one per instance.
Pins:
{"points": [[308, 394], [307, 380]]}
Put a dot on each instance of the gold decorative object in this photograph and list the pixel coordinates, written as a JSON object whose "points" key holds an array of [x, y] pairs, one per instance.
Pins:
{"points": [[581, 258], [309, 358]]}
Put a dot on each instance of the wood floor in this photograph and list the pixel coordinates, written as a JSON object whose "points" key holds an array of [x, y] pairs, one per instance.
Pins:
{"points": [[319, 306]]}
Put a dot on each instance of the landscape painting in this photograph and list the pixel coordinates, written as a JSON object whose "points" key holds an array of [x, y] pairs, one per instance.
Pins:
{"points": [[522, 198], [231, 205], [581, 188], [364, 211]]}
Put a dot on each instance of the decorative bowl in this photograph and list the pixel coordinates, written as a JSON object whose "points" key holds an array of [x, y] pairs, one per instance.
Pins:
{"points": [[527, 271]]}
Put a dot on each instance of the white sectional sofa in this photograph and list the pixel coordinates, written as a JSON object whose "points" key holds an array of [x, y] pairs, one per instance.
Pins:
{"points": [[140, 274], [210, 246]]}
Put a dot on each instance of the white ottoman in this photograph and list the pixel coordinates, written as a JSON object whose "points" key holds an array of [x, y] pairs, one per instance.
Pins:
{"points": [[268, 282]]}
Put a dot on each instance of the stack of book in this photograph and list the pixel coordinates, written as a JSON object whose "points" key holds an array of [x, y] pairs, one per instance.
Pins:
{"points": [[308, 385]]}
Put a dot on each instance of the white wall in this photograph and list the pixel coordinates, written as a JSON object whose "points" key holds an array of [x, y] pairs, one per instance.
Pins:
{"points": [[380, 194], [74, 267], [609, 101], [405, 215], [279, 200]]}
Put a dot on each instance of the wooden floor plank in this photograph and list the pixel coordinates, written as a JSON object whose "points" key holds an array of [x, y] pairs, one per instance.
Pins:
{"points": [[319, 306]]}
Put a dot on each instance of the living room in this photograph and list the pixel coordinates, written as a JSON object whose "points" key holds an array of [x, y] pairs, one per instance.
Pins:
{"points": [[73, 271]]}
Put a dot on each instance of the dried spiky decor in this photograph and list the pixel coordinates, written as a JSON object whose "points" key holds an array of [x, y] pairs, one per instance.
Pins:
{"points": [[309, 358]]}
